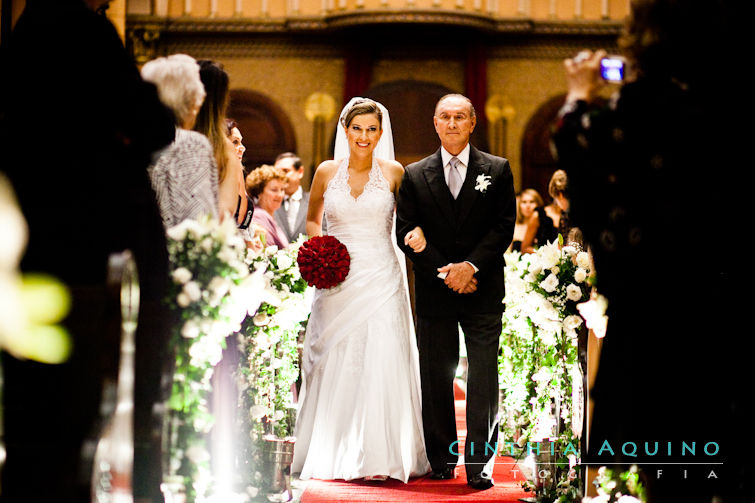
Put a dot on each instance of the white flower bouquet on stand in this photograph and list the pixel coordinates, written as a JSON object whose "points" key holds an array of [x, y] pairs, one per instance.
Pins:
{"points": [[269, 342], [210, 294], [539, 360]]}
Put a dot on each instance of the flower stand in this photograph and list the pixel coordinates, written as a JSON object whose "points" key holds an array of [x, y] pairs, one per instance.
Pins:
{"points": [[278, 454]]}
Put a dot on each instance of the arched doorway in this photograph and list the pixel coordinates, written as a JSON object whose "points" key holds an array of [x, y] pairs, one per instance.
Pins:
{"points": [[411, 104], [266, 128], [538, 163]]}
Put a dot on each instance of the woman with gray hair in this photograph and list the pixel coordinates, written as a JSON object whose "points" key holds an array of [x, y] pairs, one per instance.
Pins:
{"points": [[184, 174]]}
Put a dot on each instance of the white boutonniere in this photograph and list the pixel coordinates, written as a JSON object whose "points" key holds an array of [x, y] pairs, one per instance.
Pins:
{"points": [[482, 183]]}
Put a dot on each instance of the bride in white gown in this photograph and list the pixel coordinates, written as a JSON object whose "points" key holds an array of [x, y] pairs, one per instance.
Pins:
{"points": [[360, 413]]}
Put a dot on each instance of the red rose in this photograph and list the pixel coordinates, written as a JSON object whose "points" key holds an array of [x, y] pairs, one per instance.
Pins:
{"points": [[323, 261]]}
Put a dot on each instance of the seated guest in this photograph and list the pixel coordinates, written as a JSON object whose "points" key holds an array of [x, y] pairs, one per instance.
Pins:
{"points": [[183, 174], [267, 186], [527, 201]]}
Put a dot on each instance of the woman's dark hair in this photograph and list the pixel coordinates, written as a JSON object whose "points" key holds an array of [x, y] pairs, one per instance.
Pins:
{"points": [[229, 125], [362, 107], [211, 117], [675, 39]]}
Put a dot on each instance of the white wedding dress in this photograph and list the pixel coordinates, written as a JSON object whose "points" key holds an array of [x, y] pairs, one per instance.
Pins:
{"points": [[360, 406]]}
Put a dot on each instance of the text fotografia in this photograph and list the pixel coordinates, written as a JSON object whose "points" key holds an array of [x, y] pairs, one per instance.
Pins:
{"points": [[629, 449]]}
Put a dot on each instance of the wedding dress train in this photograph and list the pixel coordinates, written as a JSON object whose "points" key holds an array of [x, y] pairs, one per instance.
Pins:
{"points": [[360, 406]]}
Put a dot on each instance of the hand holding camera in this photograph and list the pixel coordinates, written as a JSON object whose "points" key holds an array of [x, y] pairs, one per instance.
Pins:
{"points": [[589, 71]]}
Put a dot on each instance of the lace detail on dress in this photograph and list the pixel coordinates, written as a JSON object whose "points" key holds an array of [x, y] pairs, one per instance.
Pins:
{"points": [[372, 209], [340, 180]]}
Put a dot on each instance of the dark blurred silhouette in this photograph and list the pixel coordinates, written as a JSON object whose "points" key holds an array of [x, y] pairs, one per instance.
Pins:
{"points": [[648, 182], [78, 127]]}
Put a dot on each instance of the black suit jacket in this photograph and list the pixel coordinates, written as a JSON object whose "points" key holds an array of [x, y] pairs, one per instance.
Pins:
{"points": [[478, 227]]}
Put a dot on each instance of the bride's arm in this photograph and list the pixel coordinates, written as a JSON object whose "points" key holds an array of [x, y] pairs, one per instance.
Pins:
{"points": [[323, 174]]}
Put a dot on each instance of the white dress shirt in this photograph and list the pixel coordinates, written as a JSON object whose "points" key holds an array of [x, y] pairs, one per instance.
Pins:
{"points": [[463, 158], [292, 203]]}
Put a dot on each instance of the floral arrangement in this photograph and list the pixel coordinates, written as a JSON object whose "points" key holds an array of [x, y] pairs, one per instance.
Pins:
{"points": [[323, 261], [269, 343], [540, 374], [624, 487], [210, 294]]}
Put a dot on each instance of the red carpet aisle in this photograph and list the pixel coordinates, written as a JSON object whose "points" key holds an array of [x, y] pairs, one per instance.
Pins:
{"points": [[423, 490]]}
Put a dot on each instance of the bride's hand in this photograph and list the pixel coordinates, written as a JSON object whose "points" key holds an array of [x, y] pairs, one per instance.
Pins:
{"points": [[415, 238]]}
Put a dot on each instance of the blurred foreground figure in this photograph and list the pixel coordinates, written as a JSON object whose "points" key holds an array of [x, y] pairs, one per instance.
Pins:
{"points": [[649, 179], [77, 130]]}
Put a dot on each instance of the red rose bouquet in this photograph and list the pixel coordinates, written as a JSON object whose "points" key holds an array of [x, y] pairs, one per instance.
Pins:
{"points": [[323, 261]]}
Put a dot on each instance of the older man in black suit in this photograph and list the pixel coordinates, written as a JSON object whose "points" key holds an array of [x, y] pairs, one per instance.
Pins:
{"points": [[464, 201]]}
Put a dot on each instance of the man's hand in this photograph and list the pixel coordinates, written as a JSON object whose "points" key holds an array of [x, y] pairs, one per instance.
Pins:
{"points": [[459, 277]]}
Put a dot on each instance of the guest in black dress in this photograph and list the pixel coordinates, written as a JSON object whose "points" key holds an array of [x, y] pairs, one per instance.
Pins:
{"points": [[634, 168], [526, 204], [547, 222]]}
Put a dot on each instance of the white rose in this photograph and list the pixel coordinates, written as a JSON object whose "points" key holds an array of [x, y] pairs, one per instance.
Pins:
{"points": [[257, 412], [207, 244], [190, 329], [261, 319], [583, 260], [580, 275], [549, 255], [603, 498], [178, 232], [569, 250], [218, 287], [511, 258], [573, 292], [193, 291], [197, 454], [183, 299], [262, 341], [547, 337], [555, 270], [227, 255], [194, 229], [594, 313], [226, 230], [550, 283], [572, 322], [181, 275], [284, 261], [278, 415]]}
